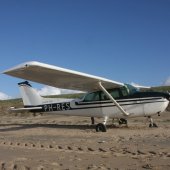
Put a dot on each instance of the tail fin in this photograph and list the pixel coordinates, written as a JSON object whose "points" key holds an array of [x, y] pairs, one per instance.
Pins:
{"points": [[29, 95]]}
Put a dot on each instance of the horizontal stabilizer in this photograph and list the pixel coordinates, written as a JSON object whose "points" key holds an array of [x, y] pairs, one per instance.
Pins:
{"points": [[29, 109]]}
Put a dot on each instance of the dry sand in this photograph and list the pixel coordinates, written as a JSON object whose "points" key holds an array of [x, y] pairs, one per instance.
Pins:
{"points": [[56, 142]]}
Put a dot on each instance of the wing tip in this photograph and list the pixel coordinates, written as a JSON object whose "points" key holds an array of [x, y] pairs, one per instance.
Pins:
{"points": [[20, 66]]}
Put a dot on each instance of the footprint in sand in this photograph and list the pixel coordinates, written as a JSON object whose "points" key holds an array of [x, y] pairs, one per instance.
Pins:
{"points": [[90, 149], [152, 152], [141, 152], [50, 146], [60, 147], [33, 145], [41, 146], [102, 150], [18, 144], [69, 148], [25, 144], [80, 149]]}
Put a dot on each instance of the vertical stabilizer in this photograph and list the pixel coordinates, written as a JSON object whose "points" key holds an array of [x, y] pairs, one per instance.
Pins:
{"points": [[29, 95]]}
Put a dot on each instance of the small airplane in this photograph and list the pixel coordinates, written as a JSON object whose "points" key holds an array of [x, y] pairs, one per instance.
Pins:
{"points": [[104, 98]]}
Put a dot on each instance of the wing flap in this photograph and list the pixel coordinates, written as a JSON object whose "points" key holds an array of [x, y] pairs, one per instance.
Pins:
{"points": [[59, 77]]}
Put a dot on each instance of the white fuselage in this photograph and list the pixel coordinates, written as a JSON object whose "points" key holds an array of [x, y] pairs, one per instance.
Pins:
{"points": [[96, 104], [135, 107]]}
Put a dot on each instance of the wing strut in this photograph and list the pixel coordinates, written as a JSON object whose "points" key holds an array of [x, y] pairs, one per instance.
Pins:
{"points": [[113, 100]]}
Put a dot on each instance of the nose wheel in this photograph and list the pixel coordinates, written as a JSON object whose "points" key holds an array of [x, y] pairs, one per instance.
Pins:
{"points": [[153, 125], [123, 121]]}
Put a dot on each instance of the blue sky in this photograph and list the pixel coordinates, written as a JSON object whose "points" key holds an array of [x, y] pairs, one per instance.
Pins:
{"points": [[126, 41]]}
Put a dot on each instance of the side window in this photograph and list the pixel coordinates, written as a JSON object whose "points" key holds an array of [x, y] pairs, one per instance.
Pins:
{"points": [[124, 91], [115, 93], [103, 96], [92, 97]]}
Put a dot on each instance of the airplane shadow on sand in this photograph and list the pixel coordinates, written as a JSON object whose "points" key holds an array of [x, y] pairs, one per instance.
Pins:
{"points": [[15, 127]]}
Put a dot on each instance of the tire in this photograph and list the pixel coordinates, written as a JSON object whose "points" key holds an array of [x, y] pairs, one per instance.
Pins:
{"points": [[153, 126], [100, 127], [150, 125], [122, 121]]}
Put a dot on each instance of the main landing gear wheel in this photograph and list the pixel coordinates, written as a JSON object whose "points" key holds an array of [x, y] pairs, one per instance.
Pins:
{"points": [[152, 125], [100, 127], [122, 121]]}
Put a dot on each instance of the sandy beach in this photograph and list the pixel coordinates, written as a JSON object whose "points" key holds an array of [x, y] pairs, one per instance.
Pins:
{"points": [[55, 142]]}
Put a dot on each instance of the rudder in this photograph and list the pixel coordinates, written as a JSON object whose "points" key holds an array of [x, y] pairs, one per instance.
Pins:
{"points": [[29, 95]]}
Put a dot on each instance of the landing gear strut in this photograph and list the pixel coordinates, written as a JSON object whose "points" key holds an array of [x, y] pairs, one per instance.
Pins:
{"points": [[151, 124], [92, 120]]}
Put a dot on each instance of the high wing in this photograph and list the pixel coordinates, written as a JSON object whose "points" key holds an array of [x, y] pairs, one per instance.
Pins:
{"points": [[59, 77]]}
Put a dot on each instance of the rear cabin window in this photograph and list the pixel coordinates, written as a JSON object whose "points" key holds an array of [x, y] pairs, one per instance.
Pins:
{"points": [[103, 96], [92, 97], [115, 93]]}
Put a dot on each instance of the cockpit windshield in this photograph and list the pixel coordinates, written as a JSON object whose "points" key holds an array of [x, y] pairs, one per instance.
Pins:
{"points": [[131, 89]]}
